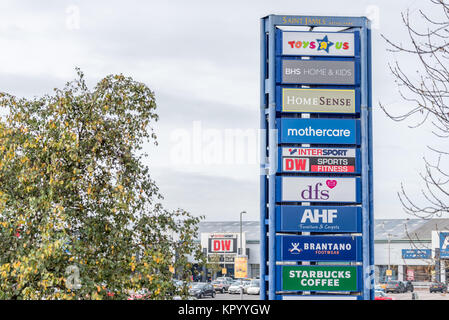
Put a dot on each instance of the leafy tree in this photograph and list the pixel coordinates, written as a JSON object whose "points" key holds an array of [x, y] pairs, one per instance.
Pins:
{"points": [[214, 264], [80, 217], [425, 89]]}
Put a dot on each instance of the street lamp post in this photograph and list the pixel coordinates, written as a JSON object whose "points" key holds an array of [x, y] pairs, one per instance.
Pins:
{"points": [[241, 252], [241, 245]]}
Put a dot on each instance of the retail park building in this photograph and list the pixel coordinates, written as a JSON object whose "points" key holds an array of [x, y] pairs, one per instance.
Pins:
{"points": [[404, 249]]}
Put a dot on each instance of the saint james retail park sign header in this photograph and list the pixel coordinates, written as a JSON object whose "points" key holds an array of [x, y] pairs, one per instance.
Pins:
{"points": [[316, 201]]}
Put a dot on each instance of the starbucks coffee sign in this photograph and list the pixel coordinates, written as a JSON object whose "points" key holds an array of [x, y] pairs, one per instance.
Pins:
{"points": [[320, 278], [318, 100]]}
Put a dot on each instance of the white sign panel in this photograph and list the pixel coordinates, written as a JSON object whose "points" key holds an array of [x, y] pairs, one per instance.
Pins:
{"points": [[319, 189], [318, 44], [318, 152]]}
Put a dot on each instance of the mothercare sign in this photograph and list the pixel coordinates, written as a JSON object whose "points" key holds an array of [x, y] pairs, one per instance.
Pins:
{"points": [[318, 44], [322, 131], [320, 278]]}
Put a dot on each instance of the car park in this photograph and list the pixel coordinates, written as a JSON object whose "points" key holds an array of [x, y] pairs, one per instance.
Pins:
{"points": [[202, 289], [438, 287], [395, 286]]}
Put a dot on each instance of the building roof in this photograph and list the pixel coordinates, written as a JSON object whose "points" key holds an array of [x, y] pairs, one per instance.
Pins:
{"points": [[250, 227], [384, 229]]}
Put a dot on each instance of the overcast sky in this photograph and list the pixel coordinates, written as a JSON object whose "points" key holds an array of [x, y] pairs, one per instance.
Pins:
{"points": [[201, 58]]}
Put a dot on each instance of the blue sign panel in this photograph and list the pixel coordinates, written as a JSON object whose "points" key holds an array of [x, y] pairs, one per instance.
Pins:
{"points": [[320, 131], [444, 244], [326, 219], [318, 248], [416, 253]]}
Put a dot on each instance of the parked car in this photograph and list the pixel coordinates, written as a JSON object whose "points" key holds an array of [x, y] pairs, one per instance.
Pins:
{"points": [[142, 294], [228, 279], [380, 295], [254, 287], [379, 287], [202, 289], [221, 285], [395, 286], [236, 286], [408, 286], [438, 287], [246, 284]]}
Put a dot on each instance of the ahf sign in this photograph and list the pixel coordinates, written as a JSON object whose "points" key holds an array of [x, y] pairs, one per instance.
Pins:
{"points": [[318, 72], [318, 100], [320, 219]]}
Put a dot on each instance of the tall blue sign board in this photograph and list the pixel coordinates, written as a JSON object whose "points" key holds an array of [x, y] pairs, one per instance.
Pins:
{"points": [[316, 181]]}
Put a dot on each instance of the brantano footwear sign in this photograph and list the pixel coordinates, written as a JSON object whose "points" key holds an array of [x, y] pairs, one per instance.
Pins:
{"points": [[318, 72], [318, 248], [328, 219], [318, 44], [319, 160], [319, 100], [320, 278]]}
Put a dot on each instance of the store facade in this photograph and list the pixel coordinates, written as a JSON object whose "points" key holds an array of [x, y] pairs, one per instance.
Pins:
{"points": [[404, 249]]}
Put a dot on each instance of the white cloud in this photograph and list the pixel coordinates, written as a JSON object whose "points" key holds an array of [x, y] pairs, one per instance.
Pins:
{"points": [[202, 60]]}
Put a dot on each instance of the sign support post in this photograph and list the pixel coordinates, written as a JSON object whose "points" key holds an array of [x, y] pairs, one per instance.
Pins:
{"points": [[325, 78]]}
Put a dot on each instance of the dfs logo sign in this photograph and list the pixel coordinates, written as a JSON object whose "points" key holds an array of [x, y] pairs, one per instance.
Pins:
{"points": [[320, 189], [318, 44]]}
